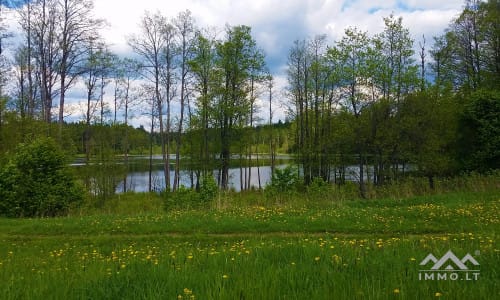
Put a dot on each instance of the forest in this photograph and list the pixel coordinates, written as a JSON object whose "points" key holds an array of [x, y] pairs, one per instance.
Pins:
{"points": [[391, 106]]}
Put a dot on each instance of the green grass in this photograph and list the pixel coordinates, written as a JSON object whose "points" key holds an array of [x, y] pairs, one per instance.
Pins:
{"points": [[246, 249]]}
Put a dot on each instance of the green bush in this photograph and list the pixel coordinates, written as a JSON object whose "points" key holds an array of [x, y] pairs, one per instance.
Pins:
{"points": [[208, 189], [35, 182], [319, 189], [186, 198], [284, 183]]}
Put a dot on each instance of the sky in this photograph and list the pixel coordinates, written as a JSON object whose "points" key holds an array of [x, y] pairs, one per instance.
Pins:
{"points": [[276, 24]]}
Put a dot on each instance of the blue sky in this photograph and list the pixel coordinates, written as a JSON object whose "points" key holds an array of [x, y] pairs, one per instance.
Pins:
{"points": [[277, 23]]}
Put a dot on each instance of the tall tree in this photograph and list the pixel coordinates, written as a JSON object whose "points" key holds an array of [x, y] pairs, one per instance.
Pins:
{"points": [[235, 57], [354, 50], [397, 74], [298, 77], [185, 27], [75, 25], [202, 68], [3, 67], [46, 49], [150, 46]]}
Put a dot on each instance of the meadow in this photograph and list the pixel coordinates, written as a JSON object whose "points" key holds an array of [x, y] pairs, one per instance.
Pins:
{"points": [[242, 249]]}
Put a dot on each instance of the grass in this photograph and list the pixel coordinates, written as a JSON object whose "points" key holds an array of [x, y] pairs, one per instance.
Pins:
{"points": [[245, 248]]}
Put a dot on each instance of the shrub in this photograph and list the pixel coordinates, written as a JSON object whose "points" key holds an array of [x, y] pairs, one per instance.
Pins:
{"points": [[284, 183], [188, 198], [319, 189], [208, 189], [36, 182]]}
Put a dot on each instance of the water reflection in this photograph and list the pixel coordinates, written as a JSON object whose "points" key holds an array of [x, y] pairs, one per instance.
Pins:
{"points": [[139, 181]]}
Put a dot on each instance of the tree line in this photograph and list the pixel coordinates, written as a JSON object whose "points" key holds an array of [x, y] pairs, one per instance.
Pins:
{"points": [[369, 100], [366, 100]]}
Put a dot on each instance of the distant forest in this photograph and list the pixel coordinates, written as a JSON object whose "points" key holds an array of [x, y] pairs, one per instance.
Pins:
{"points": [[368, 99]]}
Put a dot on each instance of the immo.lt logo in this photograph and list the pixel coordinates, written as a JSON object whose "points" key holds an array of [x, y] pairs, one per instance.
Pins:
{"points": [[449, 267]]}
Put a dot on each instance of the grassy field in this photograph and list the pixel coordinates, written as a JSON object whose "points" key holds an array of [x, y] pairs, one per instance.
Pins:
{"points": [[346, 250]]}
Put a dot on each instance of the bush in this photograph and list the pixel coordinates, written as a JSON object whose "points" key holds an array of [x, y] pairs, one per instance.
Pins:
{"points": [[35, 182], [284, 183], [319, 189], [186, 198], [208, 189]]}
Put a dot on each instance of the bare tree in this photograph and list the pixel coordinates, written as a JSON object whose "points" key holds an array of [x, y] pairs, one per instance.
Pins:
{"points": [[150, 45], [185, 27], [75, 25], [42, 27]]}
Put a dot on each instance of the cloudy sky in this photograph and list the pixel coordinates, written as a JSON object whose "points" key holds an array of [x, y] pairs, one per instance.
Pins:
{"points": [[277, 23]]}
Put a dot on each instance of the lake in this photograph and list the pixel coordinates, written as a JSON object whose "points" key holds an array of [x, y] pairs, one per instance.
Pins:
{"points": [[139, 181]]}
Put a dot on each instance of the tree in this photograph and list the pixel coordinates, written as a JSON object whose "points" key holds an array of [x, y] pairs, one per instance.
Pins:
{"points": [[151, 46], [184, 24], [75, 27], [469, 50], [480, 131], [95, 68], [353, 51], [126, 70], [202, 67], [397, 72], [235, 58], [43, 24], [25, 62], [428, 130], [298, 76], [3, 68]]}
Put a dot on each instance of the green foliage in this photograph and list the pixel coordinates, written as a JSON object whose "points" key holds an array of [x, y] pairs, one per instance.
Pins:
{"points": [[36, 183], [188, 198], [319, 189], [481, 131], [284, 183], [208, 189]]}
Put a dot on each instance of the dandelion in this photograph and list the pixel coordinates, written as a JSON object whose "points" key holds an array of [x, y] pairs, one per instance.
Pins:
{"points": [[187, 291], [438, 294], [396, 291], [225, 276], [317, 258], [413, 259]]}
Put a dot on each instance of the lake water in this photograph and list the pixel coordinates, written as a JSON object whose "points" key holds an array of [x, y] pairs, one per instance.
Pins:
{"points": [[139, 181]]}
